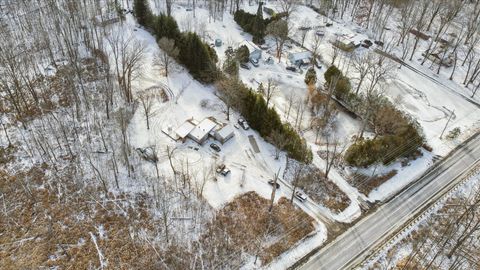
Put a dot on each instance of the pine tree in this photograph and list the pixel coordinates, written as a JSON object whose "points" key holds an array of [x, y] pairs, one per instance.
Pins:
{"points": [[311, 76], [166, 26], [195, 55], [142, 12], [258, 26]]}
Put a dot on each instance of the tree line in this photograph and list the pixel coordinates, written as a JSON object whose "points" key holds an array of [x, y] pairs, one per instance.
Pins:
{"points": [[396, 134], [199, 58]]}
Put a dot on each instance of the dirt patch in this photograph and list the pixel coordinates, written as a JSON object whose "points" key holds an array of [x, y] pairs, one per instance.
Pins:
{"points": [[365, 184], [323, 191], [250, 228]]}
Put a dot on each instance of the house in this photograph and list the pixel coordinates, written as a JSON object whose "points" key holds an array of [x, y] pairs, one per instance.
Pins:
{"points": [[183, 130], [254, 50], [224, 133], [438, 57], [200, 132], [344, 43], [300, 58]]}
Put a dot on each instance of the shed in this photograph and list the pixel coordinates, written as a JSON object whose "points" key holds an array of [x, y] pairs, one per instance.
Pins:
{"points": [[224, 134], [254, 50], [300, 58], [200, 133]]}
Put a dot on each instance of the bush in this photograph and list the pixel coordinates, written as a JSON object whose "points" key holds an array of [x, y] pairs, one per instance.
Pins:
{"points": [[397, 136], [243, 54], [453, 133]]}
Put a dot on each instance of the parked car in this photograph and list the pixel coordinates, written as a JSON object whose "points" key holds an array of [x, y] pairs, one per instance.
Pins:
{"points": [[254, 62], [328, 24], [223, 170], [272, 183], [215, 147], [300, 196], [268, 60], [291, 68], [218, 42], [263, 47], [367, 43], [243, 123], [244, 65], [320, 33], [305, 28], [379, 43]]}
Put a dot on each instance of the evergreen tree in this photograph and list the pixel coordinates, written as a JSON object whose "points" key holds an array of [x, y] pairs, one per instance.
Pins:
{"points": [[166, 26], [142, 12], [258, 26], [243, 54], [195, 55], [311, 76]]}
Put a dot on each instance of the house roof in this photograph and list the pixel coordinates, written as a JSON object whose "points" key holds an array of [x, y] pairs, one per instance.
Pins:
{"points": [[183, 130], [225, 131], [202, 129], [300, 56]]}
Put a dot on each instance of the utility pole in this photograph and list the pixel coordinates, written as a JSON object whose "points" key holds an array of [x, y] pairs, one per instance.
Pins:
{"points": [[450, 118]]}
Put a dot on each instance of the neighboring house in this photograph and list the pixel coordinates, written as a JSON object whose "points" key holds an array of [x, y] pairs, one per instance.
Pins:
{"points": [[300, 58], [344, 43], [254, 50], [438, 57], [224, 134]]}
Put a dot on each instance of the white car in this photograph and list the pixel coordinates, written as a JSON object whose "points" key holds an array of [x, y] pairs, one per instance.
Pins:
{"points": [[300, 196]]}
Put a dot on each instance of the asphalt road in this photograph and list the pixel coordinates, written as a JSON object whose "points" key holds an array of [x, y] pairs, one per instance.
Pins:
{"points": [[355, 244]]}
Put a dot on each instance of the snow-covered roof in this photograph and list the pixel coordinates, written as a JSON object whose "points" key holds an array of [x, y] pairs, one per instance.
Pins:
{"points": [[250, 45], [202, 129], [300, 56], [225, 131], [183, 130]]}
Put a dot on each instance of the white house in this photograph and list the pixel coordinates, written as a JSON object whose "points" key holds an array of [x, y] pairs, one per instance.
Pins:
{"points": [[201, 131], [300, 58]]}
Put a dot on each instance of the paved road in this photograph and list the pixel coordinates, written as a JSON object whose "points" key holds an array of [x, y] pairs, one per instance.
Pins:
{"points": [[355, 244]]}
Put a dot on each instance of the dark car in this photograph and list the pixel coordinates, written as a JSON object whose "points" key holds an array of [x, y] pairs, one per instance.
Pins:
{"points": [[272, 183], [244, 65], [379, 43], [328, 24], [215, 147], [291, 68]]}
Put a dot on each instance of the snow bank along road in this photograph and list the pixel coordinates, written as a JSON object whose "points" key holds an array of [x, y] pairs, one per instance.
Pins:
{"points": [[351, 248]]}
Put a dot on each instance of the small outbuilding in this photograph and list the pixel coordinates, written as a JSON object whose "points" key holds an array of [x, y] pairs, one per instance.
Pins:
{"points": [[224, 134]]}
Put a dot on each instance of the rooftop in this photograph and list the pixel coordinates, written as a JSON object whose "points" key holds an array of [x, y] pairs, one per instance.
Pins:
{"points": [[203, 128]]}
